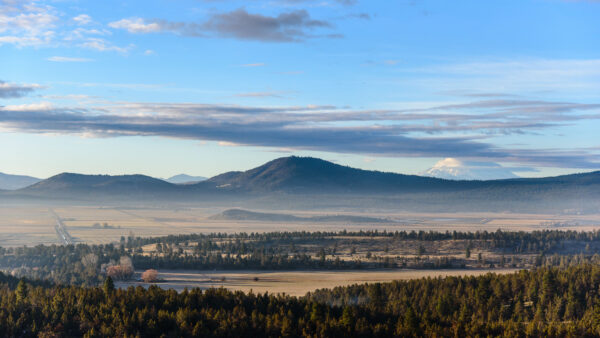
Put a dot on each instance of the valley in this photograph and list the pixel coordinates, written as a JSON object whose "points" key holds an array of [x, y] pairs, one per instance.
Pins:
{"points": [[34, 224]]}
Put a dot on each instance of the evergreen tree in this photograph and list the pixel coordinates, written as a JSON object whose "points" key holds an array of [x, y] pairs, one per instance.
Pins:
{"points": [[109, 286]]}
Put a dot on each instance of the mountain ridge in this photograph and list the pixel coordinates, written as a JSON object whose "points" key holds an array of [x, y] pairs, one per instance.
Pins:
{"points": [[15, 182], [300, 182]]}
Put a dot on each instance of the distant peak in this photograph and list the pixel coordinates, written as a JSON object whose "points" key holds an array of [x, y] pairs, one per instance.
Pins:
{"points": [[185, 179], [455, 169]]}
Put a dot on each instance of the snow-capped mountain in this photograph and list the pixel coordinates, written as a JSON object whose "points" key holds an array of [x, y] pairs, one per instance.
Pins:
{"points": [[454, 169]]}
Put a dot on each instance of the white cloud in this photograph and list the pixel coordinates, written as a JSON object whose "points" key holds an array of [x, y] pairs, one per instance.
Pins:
{"points": [[136, 25], [44, 106], [27, 24], [103, 46], [82, 19], [68, 59]]}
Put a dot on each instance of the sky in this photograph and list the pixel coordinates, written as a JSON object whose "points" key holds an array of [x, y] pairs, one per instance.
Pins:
{"points": [[204, 87]]}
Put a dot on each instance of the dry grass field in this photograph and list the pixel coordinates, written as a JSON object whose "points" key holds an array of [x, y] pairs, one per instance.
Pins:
{"points": [[294, 283], [32, 225]]}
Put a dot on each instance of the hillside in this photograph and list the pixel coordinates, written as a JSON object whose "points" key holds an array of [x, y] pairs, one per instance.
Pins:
{"points": [[306, 174], [69, 185], [14, 182]]}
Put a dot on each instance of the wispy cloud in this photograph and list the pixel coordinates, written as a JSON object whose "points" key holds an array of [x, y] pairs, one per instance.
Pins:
{"points": [[260, 94], [567, 76], [318, 2], [13, 90], [82, 19], [258, 64], [291, 26], [26, 24], [325, 128], [103, 45], [138, 25], [35, 24], [68, 59]]}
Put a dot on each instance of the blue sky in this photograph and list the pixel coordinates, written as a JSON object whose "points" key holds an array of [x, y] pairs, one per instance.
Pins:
{"points": [[203, 87]]}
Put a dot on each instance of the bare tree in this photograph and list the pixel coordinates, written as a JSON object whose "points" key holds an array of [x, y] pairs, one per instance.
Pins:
{"points": [[90, 261], [126, 261], [150, 276]]}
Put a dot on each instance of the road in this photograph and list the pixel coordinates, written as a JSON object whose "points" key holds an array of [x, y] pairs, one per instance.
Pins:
{"points": [[61, 230]]}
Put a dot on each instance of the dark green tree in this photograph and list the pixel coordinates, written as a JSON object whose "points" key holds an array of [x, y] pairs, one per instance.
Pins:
{"points": [[109, 286]]}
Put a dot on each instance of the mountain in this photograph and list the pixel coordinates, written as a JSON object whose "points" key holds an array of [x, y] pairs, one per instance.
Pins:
{"points": [[14, 182], [185, 179], [69, 185], [307, 174], [454, 169], [304, 183], [311, 183]]}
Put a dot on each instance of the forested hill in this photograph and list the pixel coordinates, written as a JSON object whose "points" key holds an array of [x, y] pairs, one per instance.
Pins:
{"points": [[543, 302], [307, 174]]}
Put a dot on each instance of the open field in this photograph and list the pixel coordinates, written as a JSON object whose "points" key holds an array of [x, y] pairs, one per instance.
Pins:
{"points": [[32, 225], [294, 283]]}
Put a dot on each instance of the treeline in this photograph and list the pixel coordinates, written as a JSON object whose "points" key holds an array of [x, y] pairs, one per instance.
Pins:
{"points": [[61, 264], [543, 302], [514, 241], [84, 264], [256, 261], [538, 235]]}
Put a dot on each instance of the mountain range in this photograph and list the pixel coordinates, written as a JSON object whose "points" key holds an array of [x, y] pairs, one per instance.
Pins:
{"points": [[14, 182], [304, 182]]}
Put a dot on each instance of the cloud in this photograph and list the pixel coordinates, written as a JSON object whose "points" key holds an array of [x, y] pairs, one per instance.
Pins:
{"points": [[526, 77], [102, 45], [68, 59], [258, 64], [259, 94], [138, 25], [35, 24], [82, 19], [26, 24], [319, 2], [286, 27], [292, 26], [13, 90], [316, 128]]}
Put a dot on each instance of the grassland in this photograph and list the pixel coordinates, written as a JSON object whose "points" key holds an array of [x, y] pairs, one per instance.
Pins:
{"points": [[293, 283], [32, 225]]}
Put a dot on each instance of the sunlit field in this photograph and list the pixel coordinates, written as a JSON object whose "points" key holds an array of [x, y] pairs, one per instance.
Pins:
{"points": [[32, 225], [293, 283]]}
